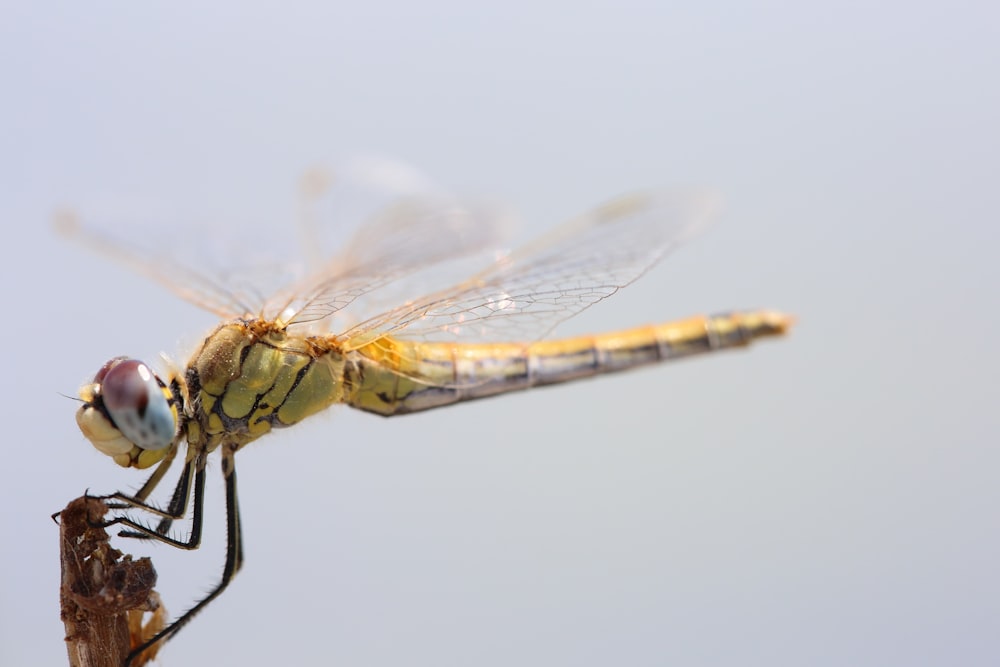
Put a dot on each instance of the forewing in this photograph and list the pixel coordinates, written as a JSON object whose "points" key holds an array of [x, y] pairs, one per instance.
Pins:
{"points": [[526, 294], [213, 293], [404, 225], [411, 234]]}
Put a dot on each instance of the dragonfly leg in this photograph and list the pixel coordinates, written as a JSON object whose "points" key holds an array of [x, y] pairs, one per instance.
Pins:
{"points": [[234, 524], [176, 509], [119, 500], [136, 529], [234, 551]]}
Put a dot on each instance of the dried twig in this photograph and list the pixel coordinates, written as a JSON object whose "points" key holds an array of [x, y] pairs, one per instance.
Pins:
{"points": [[103, 595]]}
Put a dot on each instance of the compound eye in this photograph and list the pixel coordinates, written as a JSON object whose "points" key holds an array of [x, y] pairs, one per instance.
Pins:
{"points": [[108, 365], [137, 403]]}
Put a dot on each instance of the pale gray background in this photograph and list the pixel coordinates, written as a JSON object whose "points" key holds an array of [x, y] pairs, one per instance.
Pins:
{"points": [[828, 500]]}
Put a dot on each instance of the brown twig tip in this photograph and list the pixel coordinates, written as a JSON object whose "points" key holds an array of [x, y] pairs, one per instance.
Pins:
{"points": [[103, 594]]}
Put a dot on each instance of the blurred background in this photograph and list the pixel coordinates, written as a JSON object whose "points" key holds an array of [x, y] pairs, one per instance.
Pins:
{"points": [[828, 499]]}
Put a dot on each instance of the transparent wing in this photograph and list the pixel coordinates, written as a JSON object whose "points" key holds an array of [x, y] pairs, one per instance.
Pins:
{"points": [[201, 288], [411, 234], [408, 225], [526, 294]]}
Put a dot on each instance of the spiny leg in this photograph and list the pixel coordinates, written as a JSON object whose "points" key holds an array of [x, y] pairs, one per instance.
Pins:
{"points": [[176, 509], [139, 498], [124, 501], [196, 467], [234, 553], [234, 524]]}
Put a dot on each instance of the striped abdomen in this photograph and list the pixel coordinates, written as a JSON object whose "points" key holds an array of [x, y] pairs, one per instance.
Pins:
{"points": [[393, 377]]}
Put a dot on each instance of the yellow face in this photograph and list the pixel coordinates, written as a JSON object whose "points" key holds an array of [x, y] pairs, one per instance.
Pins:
{"points": [[129, 413]]}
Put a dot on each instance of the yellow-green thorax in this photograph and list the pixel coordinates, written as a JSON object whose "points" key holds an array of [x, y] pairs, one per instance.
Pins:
{"points": [[250, 376]]}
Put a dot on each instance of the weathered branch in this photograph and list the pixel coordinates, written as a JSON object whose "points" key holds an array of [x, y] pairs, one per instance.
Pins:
{"points": [[103, 595]]}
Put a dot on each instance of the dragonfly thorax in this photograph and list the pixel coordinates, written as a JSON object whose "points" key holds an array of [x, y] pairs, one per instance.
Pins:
{"points": [[250, 376], [129, 413]]}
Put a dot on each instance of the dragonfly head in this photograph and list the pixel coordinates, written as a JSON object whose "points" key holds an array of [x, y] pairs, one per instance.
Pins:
{"points": [[129, 413]]}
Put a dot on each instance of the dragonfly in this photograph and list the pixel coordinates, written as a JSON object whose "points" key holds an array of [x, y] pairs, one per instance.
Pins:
{"points": [[273, 362]]}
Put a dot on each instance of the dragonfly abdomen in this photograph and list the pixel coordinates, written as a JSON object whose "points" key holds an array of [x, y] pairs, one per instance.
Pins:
{"points": [[399, 377]]}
